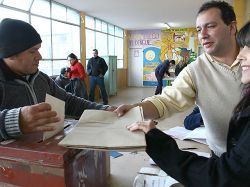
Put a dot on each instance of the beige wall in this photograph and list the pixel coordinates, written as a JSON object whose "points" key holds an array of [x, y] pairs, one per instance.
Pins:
{"points": [[242, 10]]}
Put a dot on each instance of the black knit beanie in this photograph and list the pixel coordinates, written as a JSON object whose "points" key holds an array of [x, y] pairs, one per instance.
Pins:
{"points": [[16, 36]]}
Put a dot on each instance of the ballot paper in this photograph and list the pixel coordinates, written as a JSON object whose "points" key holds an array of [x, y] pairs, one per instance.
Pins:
{"points": [[58, 106], [153, 177], [181, 133], [98, 129]]}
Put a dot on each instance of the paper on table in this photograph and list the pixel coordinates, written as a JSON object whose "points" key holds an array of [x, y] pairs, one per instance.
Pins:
{"points": [[58, 106], [98, 129], [181, 133]]}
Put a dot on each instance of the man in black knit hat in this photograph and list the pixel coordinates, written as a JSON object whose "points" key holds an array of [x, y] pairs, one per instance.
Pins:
{"points": [[23, 87]]}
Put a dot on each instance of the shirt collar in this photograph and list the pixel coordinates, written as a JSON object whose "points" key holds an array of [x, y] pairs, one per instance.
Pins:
{"points": [[236, 63]]}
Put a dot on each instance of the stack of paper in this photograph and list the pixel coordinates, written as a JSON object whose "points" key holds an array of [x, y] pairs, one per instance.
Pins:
{"points": [[98, 129], [181, 133]]}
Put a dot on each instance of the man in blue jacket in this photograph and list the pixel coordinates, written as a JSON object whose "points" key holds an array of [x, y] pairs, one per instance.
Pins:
{"points": [[160, 71], [194, 119]]}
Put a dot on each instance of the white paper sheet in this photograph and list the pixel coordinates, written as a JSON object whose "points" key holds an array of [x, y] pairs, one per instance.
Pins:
{"points": [[198, 134], [58, 106]]}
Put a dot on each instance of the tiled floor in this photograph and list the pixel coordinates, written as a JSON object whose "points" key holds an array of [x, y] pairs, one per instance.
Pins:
{"points": [[125, 168]]}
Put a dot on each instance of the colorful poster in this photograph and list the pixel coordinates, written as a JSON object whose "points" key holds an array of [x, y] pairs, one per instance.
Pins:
{"points": [[157, 46], [151, 58]]}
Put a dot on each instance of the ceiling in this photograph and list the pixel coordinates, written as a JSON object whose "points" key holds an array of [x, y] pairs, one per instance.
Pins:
{"points": [[141, 14]]}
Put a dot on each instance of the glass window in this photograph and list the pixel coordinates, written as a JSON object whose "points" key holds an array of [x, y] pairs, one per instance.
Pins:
{"points": [[42, 25], [111, 29], [89, 22], [118, 32], [7, 13], [101, 44], [65, 39], [58, 12], [104, 27], [90, 42], [86, 64], [119, 63], [98, 25], [111, 45], [119, 48], [20, 4], [1, 1], [73, 16], [41, 7], [46, 67], [58, 65]]}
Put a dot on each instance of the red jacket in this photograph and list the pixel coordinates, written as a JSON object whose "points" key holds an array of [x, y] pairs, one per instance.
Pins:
{"points": [[77, 70]]}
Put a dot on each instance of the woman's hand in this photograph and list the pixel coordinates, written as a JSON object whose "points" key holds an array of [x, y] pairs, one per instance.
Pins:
{"points": [[144, 126]]}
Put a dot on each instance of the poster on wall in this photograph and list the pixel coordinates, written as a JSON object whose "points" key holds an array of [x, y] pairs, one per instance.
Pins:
{"points": [[159, 45]]}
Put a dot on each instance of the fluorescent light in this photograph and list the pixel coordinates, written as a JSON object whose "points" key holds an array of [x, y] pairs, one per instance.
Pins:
{"points": [[167, 25]]}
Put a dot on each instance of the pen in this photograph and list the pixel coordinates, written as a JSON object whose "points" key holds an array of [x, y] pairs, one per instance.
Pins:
{"points": [[188, 148]]}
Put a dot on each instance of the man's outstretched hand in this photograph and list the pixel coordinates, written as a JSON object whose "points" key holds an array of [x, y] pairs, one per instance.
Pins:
{"points": [[122, 109]]}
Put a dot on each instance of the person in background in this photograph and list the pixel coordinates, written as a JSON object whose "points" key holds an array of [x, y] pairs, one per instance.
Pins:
{"points": [[23, 87], [193, 120], [62, 80], [232, 168], [77, 72], [96, 70], [161, 71], [203, 81], [179, 67]]}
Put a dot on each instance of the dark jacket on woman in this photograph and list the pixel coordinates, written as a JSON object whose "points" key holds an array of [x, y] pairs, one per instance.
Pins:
{"points": [[231, 169]]}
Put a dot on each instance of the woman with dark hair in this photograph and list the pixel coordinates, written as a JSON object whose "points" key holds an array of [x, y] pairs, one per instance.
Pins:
{"points": [[232, 168], [77, 76]]}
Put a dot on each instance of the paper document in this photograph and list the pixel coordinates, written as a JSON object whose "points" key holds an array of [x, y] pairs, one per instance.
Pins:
{"points": [[153, 177], [98, 129], [181, 133], [58, 106]]}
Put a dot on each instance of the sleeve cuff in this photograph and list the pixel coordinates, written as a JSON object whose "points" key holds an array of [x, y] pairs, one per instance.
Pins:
{"points": [[12, 123]]}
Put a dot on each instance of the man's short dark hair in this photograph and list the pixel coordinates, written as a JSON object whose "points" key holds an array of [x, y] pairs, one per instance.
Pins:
{"points": [[172, 62], [227, 11], [95, 50]]}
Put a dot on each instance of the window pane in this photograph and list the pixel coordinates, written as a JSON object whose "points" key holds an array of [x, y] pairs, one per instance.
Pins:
{"points": [[73, 16], [58, 12], [101, 44], [111, 29], [42, 25], [89, 22], [58, 65], [41, 7], [86, 63], [119, 63], [118, 32], [111, 45], [98, 25], [65, 40], [1, 1], [104, 27], [46, 67], [119, 48], [7, 13], [90, 42], [20, 4]]}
